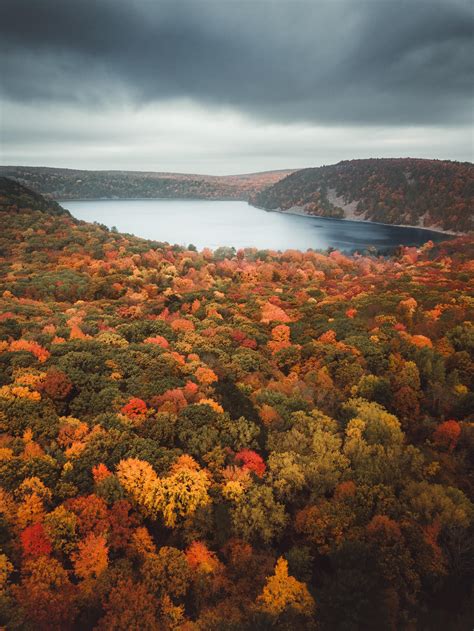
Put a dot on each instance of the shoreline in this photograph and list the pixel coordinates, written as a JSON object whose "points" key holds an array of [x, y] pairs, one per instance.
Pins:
{"points": [[300, 212], [146, 199]]}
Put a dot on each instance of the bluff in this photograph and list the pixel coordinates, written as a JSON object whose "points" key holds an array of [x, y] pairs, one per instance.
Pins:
{"points": [[404, 191]]}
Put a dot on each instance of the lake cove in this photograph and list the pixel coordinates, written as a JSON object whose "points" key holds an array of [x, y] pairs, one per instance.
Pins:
{"points": [[235, 223]]}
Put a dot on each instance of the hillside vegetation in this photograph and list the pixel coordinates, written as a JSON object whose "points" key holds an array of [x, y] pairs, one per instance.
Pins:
{"points": [[231, 441], [15, 198], [78, 184], [428, 193]]}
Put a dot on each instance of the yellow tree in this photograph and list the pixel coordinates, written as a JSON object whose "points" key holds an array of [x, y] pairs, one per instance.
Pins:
{"points": [[183, 493], [141, 482], [283, 592], [176, 496], [30, 511]]}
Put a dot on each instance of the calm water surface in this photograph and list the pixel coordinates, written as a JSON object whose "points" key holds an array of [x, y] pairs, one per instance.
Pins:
{"points": [[229, 223]]}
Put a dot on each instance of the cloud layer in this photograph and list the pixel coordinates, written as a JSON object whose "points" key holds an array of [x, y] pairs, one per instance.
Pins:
{"points": [[344, 63], [371, 62]]}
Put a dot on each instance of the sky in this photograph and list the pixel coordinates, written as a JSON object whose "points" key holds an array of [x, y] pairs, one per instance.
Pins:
{"points": [[234, 86]]}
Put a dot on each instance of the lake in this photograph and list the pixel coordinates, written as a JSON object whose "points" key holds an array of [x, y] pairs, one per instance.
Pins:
{"points": [[234, 223]]}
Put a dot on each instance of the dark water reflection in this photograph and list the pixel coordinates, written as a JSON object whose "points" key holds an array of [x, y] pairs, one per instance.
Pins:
{"points": [[229, 223]]}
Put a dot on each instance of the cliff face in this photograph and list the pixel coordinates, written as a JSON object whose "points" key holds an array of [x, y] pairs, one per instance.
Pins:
{"points": [[426, 193]]}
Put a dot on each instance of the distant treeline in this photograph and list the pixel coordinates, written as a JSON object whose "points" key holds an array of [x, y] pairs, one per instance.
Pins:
{"points": [[77, 184]]}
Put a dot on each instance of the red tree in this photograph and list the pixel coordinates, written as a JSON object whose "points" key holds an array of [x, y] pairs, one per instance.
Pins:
{"points": [[35, 542], [447, 434], [251, 461], [135, 408]]}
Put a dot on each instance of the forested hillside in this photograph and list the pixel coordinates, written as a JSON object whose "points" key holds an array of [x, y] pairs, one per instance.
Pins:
{"points": [[78, 184], [228, 440], [15, 198], [430, 193]]}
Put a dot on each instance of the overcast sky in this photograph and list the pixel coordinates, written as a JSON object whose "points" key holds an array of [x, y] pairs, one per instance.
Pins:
{"points": [[229, 86]]}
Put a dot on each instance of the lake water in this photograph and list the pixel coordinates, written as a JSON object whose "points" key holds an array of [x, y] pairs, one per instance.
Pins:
{"points": [[235, 223]]}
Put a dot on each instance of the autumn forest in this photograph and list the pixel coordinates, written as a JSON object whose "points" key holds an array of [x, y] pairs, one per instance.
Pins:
{"points": [[228, 441]]}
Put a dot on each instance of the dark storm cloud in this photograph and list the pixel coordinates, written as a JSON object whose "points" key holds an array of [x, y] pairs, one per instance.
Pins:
{"points": [[343, 62]]}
